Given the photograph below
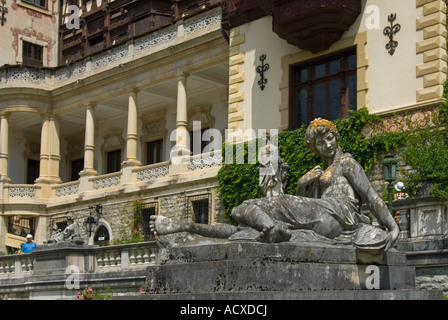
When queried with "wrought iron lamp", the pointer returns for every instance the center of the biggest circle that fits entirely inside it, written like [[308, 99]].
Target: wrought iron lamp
[[90, 221], [390, 170]]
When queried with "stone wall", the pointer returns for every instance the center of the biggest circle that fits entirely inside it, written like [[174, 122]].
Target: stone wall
[[429, 278]]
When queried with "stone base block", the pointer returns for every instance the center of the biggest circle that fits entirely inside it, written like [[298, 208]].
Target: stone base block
[[253, 270]]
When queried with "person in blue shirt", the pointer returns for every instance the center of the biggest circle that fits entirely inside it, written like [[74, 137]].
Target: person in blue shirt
[[29, 245]]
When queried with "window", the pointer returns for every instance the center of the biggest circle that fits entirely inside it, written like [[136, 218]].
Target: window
[[204, 140], [32, 172], [77, 166], [32, 54], [21, 226], [324, 88], [200, 210], [39, 3], [113, 161], [154, 152]]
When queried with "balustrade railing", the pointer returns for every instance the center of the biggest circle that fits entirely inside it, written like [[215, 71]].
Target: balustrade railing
[[128, 256], [140, 174], [114, 56], [153, 171], [16, 266], [66, 189], [125, 257], [106, 181]]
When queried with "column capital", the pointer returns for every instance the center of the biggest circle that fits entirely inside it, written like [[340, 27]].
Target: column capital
[[133, 90], [5, 114], [182, 75]]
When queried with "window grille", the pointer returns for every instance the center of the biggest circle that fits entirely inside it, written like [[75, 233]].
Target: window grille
[[149, 209], [198, 208]]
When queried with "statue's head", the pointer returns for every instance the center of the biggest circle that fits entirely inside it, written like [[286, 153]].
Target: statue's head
[[316, 128], [70, 217]]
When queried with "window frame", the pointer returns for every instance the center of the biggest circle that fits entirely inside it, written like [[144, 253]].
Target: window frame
[[33, 3], [201, 210], [193, 203], [110, 161], [34, 50], [74, 166], [35, 41], [312, 81]]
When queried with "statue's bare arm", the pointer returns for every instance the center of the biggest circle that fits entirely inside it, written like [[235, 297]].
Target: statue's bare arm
[[357, 178], [308, 178]]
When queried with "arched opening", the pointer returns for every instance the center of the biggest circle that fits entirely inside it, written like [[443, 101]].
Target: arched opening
[[102, 236]]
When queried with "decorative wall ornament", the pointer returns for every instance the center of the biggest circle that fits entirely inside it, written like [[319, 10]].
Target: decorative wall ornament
[[391, 32], [261, 69], [4, 11], [67, 189], [153, 173], [204, 162]]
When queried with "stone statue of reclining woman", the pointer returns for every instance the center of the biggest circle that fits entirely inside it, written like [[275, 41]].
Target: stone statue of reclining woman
[[332, 213]]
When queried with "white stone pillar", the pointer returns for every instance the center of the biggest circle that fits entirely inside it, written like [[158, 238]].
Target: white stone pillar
[[131, 140], [44, 149], [182, 141], [4, 137], [54, 148], [49, 155], [181, 149], [89, 144]]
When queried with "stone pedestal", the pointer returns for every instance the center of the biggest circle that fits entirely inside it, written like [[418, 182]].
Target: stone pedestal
[[55, 258], [253, 270]]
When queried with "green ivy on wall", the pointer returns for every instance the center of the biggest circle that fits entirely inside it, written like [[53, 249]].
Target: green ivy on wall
[[426, 152]]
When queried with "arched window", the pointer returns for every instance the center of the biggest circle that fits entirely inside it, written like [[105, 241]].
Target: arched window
[[102, 236]]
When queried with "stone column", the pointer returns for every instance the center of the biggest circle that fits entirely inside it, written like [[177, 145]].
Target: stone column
[[181, 115], [128, 175], [181, 149], [89, 148], [131, 141], [49, 155], [54, 137], [44, 149], [4, 137], [49, 150], [89, 144]]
